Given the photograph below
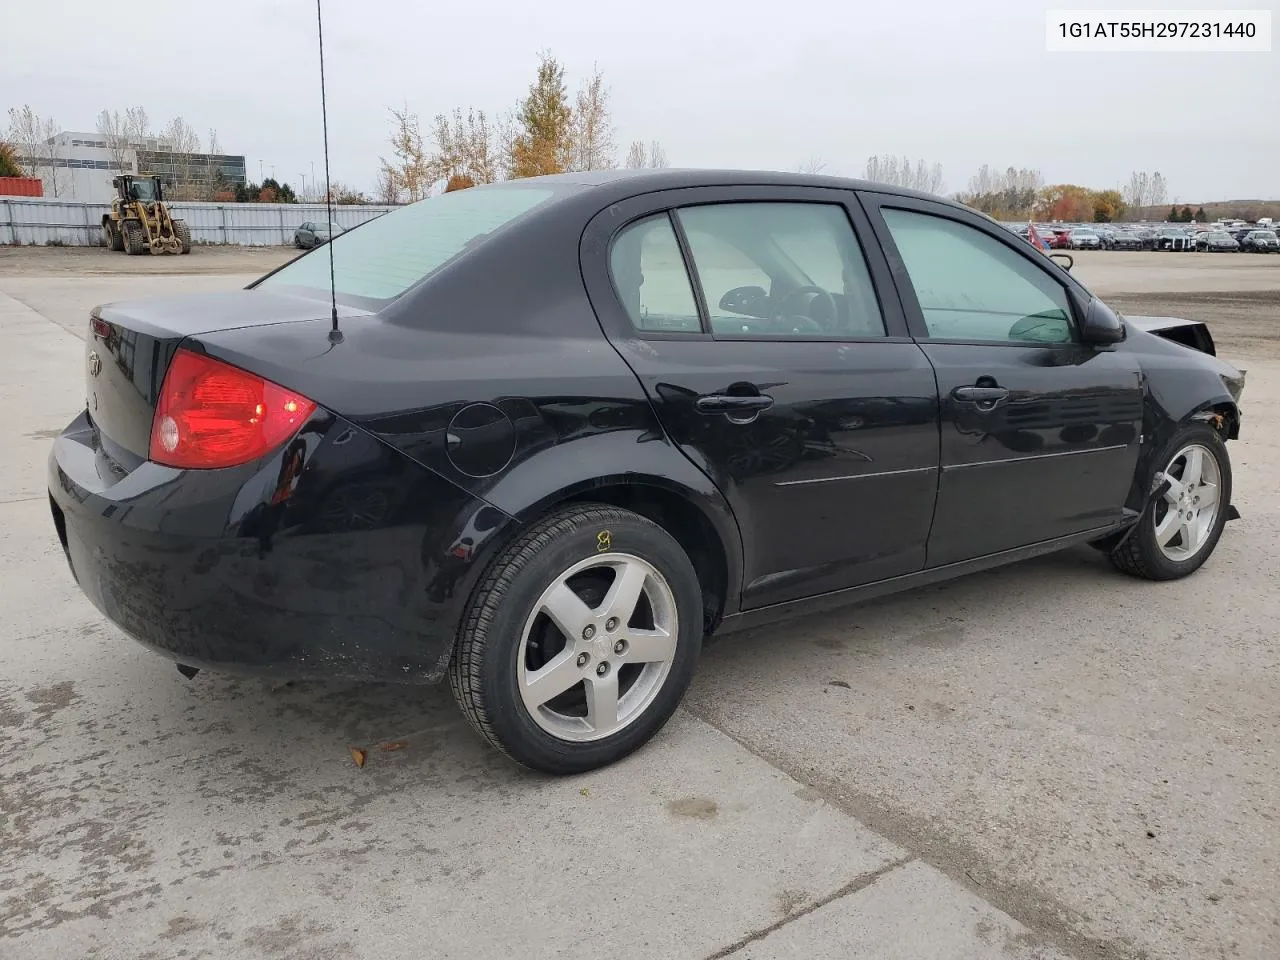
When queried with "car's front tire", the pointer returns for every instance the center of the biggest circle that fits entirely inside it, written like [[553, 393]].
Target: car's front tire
[[1180, 528], [580, 640]]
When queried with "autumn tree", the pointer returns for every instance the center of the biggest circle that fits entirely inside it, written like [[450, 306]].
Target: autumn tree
[[409, 174], [543, 141], [812, 165], [1201, 216], [9, 166], [1108, 205], [465, 146], [459, 181], [1067, 201]]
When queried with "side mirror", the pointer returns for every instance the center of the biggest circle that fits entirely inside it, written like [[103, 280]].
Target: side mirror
[[1102, 325], [1068, 261], [748, 301]]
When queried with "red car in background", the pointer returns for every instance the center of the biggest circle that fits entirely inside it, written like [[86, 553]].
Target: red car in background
[[1060, 239]]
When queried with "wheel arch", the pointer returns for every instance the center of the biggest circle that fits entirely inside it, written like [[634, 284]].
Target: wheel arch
[[1219, 412]]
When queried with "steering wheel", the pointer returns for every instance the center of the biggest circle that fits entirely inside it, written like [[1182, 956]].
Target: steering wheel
[[801, 323]]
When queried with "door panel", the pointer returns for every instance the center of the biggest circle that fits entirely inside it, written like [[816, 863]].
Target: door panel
[[1054, 457], [834, 484], [1040, 432], [796, 391]]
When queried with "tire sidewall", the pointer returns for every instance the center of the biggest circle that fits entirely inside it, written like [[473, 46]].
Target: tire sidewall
[[1209, 438], [524, 740]]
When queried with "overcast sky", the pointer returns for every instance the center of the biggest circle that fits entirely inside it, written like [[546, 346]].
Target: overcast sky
[[719, 83]]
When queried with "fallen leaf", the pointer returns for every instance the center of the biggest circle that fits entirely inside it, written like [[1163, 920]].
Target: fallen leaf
[[839, 683], [394, 745], [358, 756], [584, 792]]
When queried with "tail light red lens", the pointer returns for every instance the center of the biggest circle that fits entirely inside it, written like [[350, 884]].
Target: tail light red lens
[[211, 414]]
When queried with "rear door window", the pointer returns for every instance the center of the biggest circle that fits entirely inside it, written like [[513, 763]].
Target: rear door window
[[775, 269], [650, 278]]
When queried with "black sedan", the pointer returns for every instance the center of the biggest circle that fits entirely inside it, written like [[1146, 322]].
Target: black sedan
[[1129, 240], [1216, 241], [549, 434], [1260, 241]]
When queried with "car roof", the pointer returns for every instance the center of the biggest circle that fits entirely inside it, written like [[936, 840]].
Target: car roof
[[637, 181]]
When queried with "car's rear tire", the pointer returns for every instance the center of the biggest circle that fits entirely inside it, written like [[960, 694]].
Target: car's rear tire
[[586, 684], [1180, 528]]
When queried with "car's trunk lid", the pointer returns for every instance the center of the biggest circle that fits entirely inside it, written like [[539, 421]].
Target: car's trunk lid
[[130, 344]]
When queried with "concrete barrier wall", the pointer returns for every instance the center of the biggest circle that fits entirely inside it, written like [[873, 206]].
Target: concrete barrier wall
[[28, 220]]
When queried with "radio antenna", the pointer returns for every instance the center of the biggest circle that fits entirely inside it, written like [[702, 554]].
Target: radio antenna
[[335, 335]]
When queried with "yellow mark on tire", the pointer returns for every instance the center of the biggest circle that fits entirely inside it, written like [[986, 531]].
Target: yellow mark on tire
[[604, 541]]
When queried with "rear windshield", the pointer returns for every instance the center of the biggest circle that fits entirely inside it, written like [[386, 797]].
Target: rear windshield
[[383, 258]]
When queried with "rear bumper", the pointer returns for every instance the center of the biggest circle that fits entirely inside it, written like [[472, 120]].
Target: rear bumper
[[357, 566]]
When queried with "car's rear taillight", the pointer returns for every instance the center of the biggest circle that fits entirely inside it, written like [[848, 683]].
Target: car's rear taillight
[[211, 414]]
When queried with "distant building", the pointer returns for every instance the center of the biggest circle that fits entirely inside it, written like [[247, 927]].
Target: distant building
[[85, 165]]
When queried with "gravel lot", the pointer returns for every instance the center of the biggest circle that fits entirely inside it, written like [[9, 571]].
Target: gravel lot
[[1045, 761]]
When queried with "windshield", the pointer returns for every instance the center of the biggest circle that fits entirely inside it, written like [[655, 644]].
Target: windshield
[[387, 255], [1085, 233], [1264, 235], [142, 190]]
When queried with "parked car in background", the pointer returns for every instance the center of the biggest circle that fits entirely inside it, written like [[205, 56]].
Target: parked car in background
[[1260, 241], [1085, 238], [569, 426], [1128, 240], [1108, 236], [1059, 239], [1175, 238], [1217, 241], [312, 234]]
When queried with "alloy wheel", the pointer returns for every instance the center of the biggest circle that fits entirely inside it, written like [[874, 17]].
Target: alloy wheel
[[1185, 516], [597, 647]]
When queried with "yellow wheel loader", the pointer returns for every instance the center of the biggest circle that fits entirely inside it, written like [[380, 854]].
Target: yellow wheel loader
[[139, 221]]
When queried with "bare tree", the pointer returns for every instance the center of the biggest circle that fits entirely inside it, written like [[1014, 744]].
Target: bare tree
[[212, 173], [1137, 191], [591, 128], [637, 155], [1159, 189], [640, 156], [36, 140], [389, 190], [111, 129], [410, 172], [813, 165], [183, 143], [901, 172]]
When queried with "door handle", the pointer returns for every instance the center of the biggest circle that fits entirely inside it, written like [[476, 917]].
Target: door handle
[[738, 409], [983, 396]]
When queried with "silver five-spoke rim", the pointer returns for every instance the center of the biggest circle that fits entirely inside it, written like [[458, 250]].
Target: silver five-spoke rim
[[597, 647], [1185, 516]]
